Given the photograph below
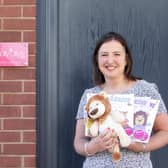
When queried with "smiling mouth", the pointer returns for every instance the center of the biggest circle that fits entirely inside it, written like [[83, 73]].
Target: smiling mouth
[[110, 67]]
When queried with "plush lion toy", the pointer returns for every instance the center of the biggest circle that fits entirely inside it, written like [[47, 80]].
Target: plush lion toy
[[101, 116]]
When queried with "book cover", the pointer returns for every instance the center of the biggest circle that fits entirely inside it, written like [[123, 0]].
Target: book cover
[[122, 109], [123, 104], [145, 110]]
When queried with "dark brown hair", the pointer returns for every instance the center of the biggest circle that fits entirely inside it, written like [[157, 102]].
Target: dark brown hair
[[98, 77]]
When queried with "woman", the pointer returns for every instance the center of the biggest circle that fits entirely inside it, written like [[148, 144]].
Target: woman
[[112, 64]]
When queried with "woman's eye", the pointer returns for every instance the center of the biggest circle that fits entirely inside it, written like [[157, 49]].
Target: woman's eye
[[117, 54], [104, 55]]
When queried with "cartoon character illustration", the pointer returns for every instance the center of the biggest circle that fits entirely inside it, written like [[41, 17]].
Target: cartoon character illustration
[[140, 121]]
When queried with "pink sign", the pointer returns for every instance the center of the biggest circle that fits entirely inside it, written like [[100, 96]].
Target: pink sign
[[14, 54]]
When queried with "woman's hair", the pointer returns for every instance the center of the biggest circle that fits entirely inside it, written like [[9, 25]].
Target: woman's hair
[[98, 77]]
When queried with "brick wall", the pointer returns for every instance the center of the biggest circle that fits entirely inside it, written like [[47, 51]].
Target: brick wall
[[17, 87]]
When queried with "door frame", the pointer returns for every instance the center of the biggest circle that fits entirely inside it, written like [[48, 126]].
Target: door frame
[[47, 75]]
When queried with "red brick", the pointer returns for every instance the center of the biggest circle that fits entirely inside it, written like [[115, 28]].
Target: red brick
[[19, 2], [10, 86], [19, 24], [10, 11], [10, 112], [32, 49], [19, 149], [29, 137], [30, 86], [32, 61], [7, 161], [29, 11], [29, 161], [29, 111], [18, 118], [9, 137], [13, 74], [1, 73], [19, 99], [29, 36], [10, 36], [19, 124]]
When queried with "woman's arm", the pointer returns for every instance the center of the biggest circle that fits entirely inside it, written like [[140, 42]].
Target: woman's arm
[[80, 138], [84, 146], [158, 139]]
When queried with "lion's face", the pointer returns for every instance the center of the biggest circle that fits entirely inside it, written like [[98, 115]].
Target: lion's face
[[96, 109], [139, 120]]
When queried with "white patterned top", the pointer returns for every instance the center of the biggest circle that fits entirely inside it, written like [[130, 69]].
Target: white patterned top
[[129, 159]]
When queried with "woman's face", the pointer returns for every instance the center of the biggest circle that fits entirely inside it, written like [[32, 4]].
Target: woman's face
[[112, 59]]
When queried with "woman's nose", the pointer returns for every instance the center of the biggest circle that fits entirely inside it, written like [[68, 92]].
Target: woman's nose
[[110, 58]]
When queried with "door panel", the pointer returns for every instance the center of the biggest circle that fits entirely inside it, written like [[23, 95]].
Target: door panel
[[79, 25]]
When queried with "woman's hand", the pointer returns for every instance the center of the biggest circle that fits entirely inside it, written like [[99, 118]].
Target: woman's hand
[[104, 141], [136, 147]]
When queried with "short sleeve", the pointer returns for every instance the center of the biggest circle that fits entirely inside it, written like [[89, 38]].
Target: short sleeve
[[156, 95], [80, 112]]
